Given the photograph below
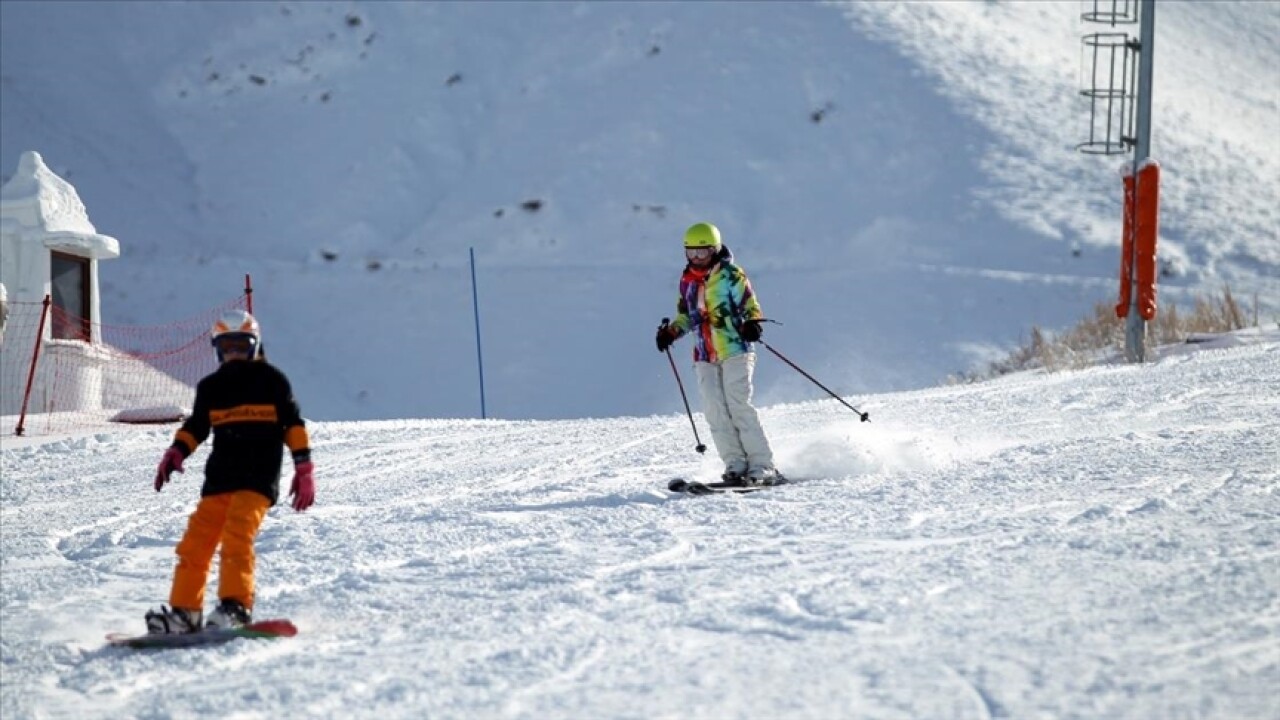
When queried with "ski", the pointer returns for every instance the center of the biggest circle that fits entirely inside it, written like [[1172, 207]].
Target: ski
[[214, 636], [693, 487]]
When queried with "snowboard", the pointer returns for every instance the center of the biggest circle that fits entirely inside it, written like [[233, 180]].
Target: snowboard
[[214, 636], [693, 487]]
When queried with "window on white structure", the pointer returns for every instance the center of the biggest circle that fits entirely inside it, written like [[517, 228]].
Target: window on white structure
[[70, 296]]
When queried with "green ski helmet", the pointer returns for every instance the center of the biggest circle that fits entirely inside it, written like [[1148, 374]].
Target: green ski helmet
[[702, 235]]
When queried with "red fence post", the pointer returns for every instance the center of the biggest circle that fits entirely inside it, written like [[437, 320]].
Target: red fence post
[[31, 372]]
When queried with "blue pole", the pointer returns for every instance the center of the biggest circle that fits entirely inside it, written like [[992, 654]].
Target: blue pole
[[475, 307]]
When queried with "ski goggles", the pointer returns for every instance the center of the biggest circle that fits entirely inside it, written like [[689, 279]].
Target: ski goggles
[[235, 344], [699, 253]]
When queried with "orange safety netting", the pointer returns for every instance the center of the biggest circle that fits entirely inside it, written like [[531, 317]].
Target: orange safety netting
[[60, 372]]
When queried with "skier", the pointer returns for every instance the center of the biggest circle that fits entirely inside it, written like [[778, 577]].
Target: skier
[[719, 307], [4, 311], [249, 406]]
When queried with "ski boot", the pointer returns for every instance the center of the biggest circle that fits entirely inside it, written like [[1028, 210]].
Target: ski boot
[[760, 477]]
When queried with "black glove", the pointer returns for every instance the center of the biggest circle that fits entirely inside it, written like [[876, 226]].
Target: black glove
[[751, 331], [666, 336]]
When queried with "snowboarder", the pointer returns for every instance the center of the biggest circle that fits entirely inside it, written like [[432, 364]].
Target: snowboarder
[[719, 307], [249, 406]]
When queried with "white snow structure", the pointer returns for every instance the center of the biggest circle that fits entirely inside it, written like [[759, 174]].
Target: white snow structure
[[49, 247]]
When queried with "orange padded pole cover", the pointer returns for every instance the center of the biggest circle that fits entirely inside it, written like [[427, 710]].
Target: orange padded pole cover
[[1145, 235], [1126, 249]]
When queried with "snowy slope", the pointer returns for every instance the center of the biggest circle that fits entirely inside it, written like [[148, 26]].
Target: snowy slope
[[899, 179], [1088, 544]]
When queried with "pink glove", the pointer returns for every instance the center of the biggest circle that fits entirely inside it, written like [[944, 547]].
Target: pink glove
[[304, 486], [170, 463]]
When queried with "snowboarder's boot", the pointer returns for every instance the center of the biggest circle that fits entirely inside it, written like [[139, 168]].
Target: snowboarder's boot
[[174, 621], [229, 614]]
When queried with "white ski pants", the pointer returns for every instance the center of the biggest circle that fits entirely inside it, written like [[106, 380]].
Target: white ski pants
[[726, 402]]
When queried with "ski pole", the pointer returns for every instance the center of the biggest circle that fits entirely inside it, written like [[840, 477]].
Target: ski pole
[[866, 417], [700, 448]]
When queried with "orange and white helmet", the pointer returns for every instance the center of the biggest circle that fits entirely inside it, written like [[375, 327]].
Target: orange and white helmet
[[236, 329]]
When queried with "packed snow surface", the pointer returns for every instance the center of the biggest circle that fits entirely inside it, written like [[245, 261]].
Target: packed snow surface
[[1097, 543], [900, 180]]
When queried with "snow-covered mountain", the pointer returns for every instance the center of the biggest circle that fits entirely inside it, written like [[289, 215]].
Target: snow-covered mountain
[[1090, 544], [899, 180]]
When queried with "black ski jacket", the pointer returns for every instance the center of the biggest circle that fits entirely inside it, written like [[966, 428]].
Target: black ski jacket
[[249, 406]]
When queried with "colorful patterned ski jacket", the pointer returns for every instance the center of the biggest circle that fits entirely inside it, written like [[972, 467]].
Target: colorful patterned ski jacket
[[713, 304], [249, 407]]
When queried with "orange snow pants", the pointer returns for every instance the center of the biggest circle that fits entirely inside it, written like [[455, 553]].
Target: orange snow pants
[[230, 520]]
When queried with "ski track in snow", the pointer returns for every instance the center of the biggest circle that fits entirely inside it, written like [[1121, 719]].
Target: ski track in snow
[[1100, 543]]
